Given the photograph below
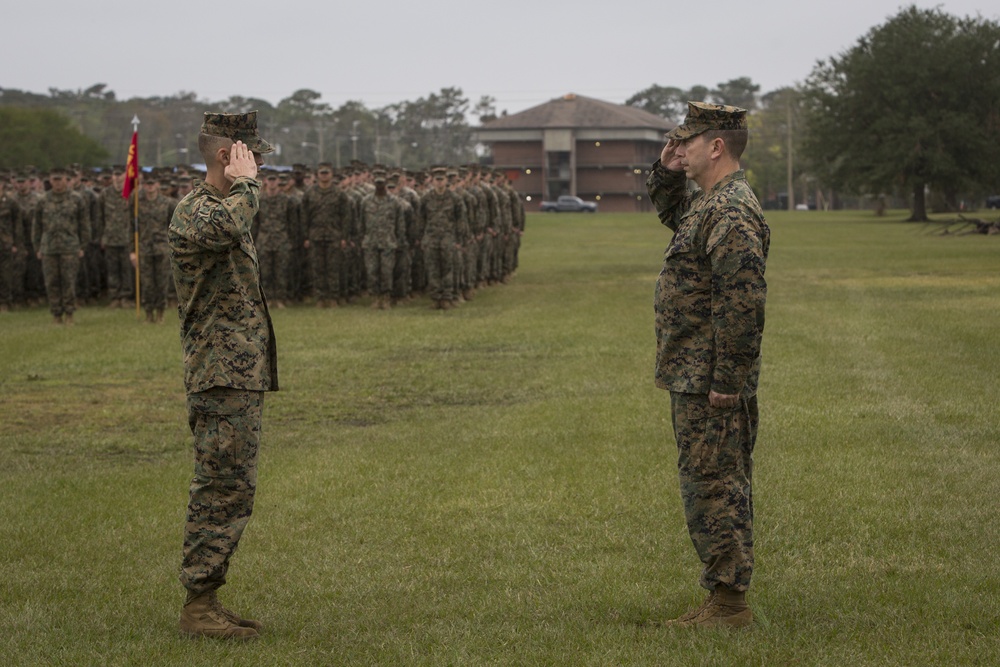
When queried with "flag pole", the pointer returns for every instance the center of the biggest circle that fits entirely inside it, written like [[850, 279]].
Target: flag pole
[[131, 186]]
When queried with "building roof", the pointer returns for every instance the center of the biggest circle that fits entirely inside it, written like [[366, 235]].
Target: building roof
[[578, 111]]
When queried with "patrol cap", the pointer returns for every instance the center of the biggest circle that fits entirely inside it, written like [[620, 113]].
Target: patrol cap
[[703, 117], [379, 175], [238, 127], [439, 172]]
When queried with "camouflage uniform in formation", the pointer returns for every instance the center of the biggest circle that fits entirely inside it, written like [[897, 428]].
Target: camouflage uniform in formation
[[115, 215], [273, 226], [383, 226], [327, 214], [60, 229], [230, 359], [155, 213], [11, 243], [27, 282], [442, 218], [709, 321], [88, 280]]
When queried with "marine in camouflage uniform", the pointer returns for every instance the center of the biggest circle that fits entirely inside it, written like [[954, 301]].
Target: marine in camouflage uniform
[[383, 225], [155, 213], [271, 235], [327, 214], [418, 263], [88, 278], [26, 267], [709, 321], [402, 283], [470, 245], [11, 243], [115, 215], [230, 360], [441, 217], [61, 226]]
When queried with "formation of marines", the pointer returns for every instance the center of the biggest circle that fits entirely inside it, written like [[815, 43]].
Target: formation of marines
[[325, 236]]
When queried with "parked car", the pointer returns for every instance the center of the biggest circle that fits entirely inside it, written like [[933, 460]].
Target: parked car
[[993, 201], [568, 203]]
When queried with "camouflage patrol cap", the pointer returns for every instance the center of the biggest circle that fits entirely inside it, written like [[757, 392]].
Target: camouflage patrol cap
[[238, 127], [703, 117], [379, 175]]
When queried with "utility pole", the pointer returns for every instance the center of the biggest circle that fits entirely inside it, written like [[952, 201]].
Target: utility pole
[[791, 180]]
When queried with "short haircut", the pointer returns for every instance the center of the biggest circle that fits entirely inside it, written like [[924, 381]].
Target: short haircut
[[209, 144], [734, 140]]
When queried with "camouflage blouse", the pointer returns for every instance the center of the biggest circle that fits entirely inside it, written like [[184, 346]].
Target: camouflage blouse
[[226, 329], [61, 224], [710, 294]]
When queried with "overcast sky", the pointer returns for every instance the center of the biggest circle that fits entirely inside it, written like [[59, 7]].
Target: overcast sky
[[521, 52]]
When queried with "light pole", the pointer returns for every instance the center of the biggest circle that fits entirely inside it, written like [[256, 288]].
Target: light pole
[[354, 140]]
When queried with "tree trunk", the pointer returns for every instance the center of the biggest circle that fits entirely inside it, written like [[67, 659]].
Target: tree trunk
[[919, 204]]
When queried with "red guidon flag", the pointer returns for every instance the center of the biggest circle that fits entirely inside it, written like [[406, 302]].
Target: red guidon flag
[[132, 166]]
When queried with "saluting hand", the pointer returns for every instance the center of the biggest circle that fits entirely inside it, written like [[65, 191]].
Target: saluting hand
[[668, 157], [241, 162]]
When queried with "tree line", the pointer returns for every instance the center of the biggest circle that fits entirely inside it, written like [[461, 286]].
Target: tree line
[[911, 110]]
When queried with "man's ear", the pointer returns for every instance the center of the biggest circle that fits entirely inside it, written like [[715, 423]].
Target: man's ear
[[718, 148]]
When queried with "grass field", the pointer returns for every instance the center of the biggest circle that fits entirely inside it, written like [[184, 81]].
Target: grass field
[[496, 485]]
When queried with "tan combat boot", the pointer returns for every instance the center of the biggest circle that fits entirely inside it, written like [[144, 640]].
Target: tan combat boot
[[204, 616], [722, 608], [68, 319], [158, 315]]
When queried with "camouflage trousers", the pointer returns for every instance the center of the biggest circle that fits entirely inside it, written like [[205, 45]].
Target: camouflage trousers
[[380, 264], [6, 276], [715, 464], [401, 274], [121, 279], [440, 258], [418, 269], [483, 258], [154, 276], [226, 427], [274, 271], [60, 282], [326, 258]]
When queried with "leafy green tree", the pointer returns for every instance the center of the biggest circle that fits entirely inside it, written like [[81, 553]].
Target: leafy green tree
[[772, 156], [670, 102], [666, 102], [432, 129], [914, 104], [44, 138], [741, 92]]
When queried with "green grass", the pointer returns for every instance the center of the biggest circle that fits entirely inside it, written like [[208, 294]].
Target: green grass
[[496, 484]]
